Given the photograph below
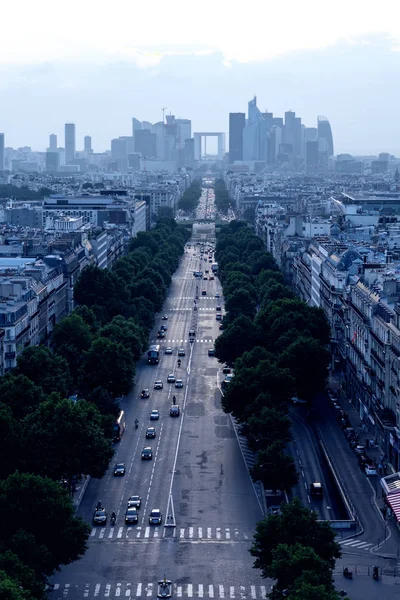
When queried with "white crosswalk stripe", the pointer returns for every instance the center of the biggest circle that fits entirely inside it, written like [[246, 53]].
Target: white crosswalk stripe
[[356, 543], [148, 590], [181, 533]]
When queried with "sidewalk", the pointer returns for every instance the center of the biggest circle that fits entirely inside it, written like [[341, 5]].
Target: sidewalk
[[79, 491], [365, 438]]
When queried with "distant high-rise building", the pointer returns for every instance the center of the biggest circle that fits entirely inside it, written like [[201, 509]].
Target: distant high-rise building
[[69, 142], [130, 144], [311, 156], [237, 122], [183, 132], [87, 143], [52, 161], [1, 151], [146, 143], [136, 126], [119, 154], [53, 142], [255, 134], [325, 133]]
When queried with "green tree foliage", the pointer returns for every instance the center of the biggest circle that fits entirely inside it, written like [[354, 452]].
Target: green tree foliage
[[101, 288], [65, 438], [12, 567], [23, 192], [308, 362], [11, 589], [239, 337], [240, 302], [20, 394], [275, 469], [268, 427], [88, 316], [10, 442], [72, 336], [222, 201], [38, 524], [126, 332], [190, 198], [45, 369], [289, 563], [108, 365], [295, 525]]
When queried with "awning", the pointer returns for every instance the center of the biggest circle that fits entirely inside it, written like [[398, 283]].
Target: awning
[[394, 502]]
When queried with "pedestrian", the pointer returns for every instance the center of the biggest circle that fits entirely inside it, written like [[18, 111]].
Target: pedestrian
[[384, 468], [380, 469]]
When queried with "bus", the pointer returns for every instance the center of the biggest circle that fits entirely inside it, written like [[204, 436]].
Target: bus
[[119, 427], [214, 267], [153, 355]]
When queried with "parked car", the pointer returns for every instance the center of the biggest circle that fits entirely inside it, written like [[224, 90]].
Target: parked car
[[370, 469], [359, 449]]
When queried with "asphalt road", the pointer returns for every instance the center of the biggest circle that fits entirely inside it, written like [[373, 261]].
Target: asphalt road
[[197, 476]]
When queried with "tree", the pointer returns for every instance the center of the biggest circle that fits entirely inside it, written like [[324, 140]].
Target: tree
[[240, 302], [65, 438], [101, 288], [108, 365], [48, 534], [88, 316], [45, 369], [13, 567], [308, 362], [269, 426], [295, 524], [289, 563], [237, 338], [20, 394], [126, 332], [71, 337], [275, 469], [10, 589], [309, 591], [9, 441]]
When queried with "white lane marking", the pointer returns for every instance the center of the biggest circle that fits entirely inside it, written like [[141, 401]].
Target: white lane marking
[[200, 532], [190, 590], [120, 532], [200, 592], [179, 591], [86, 590], [253, 591], [227, 534], [147, 532], [139, 589], [218, 533], [149, 589], [93, 532], [221, 591], [190, 532], [236, 533], [232, 591], [107, 590], [118, 590], [242, 592], [211, 591], [96, 589], [209, 533], [156, 533], [263, 591], [139, 530], [111, 532], [102, 532], [181, 533]]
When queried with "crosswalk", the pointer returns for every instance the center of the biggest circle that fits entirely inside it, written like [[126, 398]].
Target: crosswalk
[[149, 590], [191, 298], [356, 543], [186, 308], [182, 533], [163, 340]]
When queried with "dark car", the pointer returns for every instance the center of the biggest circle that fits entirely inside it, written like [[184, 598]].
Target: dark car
[[134, 501], [218, 308], [181, 352], [147, 453], [316, 489], [174, 411], [154, 415], [155, 517], [164, 318], [211, 352], [204, 293], [163, 328], [150, 433], [119, 469], [145, 394], [171, 378], [179, 383], [218, 317], [161, 334], [131, 515]]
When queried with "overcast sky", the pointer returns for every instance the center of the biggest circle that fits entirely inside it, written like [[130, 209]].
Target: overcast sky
[[99, 63]]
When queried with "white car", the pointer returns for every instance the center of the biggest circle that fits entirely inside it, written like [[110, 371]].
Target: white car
[[171, 378], [168, 350], [370, 470], [158, 385]]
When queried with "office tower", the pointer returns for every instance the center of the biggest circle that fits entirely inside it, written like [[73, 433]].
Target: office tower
[[311, 134], [119, 154], [69, 142], [52, 161], [136, 126], [237, 122], [146, 143], [53, 142], [325, 137], [1, 151], [254, 134], [311, 155], [183, 132], [288, 132], [130, 144], [87, 143]]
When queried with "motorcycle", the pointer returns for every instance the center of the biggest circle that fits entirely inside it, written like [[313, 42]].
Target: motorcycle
[[348, 574], [174, 400], [375, 573], [136, 424], [179, 363], [113, 519]]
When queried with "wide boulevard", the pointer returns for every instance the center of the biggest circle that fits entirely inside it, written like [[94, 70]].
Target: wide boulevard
[[197, 477]]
